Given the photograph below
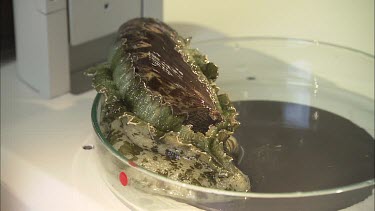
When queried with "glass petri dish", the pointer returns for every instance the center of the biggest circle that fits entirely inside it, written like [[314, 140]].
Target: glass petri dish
[[307, 113]]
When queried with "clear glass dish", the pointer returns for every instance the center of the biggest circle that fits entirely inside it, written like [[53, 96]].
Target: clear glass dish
[[309, 78]]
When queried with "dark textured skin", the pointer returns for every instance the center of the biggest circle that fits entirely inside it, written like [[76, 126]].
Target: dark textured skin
[[153, 47]]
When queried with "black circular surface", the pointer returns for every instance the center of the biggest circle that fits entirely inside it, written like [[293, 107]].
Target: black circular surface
[[291, 147]]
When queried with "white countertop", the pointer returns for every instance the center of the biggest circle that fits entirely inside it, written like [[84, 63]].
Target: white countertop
[[43, 165]]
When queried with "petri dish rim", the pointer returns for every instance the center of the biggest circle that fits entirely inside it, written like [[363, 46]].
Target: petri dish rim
[[337, 190], [286, 40]]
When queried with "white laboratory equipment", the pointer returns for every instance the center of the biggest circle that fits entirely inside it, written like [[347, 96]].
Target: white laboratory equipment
[[56, 40]]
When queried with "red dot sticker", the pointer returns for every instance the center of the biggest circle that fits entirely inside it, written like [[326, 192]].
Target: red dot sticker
[[123, 178], [132, 163]]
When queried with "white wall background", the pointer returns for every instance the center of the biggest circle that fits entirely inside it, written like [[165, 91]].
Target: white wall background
[[344, 22]]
